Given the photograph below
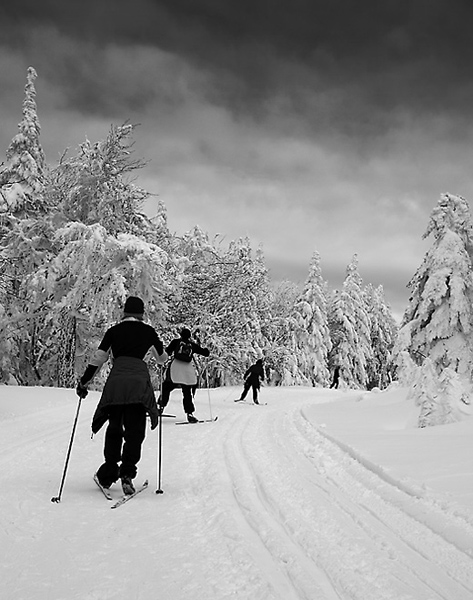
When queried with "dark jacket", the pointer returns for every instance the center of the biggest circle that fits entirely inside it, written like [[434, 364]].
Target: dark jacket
[[126, 344], [180, 372], [128, 383], [255, 374]]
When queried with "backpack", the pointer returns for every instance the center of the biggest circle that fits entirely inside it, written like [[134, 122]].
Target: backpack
[[184, 351]]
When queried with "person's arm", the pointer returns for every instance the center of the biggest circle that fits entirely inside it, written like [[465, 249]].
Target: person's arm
[[99, 358], [158, 352], [197, 349]]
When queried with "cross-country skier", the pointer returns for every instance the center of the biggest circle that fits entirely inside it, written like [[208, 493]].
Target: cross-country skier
[[253, 378], [181, 372], [127, 396], [336, 377]]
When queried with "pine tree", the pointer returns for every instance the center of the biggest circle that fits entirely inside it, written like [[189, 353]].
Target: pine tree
[[350, 330], [439, 316], [25, 232], [24, 178], [383, 332], [313, 336]]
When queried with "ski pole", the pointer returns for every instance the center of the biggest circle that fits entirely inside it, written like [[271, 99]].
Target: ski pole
[[208, 389], [58, 497], [160, 434]]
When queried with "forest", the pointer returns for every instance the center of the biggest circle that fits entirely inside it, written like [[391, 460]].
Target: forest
[[75, 242]]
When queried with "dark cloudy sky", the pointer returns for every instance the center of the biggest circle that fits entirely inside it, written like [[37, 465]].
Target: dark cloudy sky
[[308, 125]]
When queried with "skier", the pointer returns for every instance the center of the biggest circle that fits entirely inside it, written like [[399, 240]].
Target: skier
[[253, 378], [181, 372], [127, 395], [336, 377]]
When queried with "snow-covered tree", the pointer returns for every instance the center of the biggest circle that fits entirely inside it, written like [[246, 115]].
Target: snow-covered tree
[[23, 180], [279, 328], [84, 288], [96, 186], [383, 331], [439, 315], [350, 330], [312, 332], [437, 324]]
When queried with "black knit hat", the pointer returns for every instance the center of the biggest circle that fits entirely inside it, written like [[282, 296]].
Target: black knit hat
[[185, 333], [134, 306]]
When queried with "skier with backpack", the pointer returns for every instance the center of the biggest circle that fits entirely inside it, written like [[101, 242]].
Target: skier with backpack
[[253, 378], [181, 372], [127, 396]]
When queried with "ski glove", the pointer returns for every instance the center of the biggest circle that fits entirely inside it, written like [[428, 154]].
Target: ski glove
[[81, 390]]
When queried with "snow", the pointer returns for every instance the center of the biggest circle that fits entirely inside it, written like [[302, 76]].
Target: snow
[[318, 495]]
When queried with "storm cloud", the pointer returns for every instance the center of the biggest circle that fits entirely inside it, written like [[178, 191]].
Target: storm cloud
[[331, 126]]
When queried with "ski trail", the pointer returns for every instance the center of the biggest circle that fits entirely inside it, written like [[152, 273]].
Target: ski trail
[[335, 528]]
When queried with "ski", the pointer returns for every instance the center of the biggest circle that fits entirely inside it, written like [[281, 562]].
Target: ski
[[124, 499], [252, 403], [105, 491], [199, 421]]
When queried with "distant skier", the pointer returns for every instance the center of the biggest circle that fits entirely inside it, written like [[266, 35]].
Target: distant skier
[[336, 378], [253, 378], [127, 395], [181, 372]]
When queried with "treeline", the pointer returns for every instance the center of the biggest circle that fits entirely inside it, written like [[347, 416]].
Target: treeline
[[74, 243]]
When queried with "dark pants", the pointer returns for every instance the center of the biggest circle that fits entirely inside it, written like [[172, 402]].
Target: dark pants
[[123, 440], [188, 392], [246, 388]]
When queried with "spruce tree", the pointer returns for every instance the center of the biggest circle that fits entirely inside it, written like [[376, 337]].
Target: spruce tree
[[383, 332], [437, 324], [24, 177], [313, 336], [350, 330]]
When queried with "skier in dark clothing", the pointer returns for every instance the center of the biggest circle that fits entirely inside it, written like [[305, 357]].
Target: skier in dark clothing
[[253, 378], [181, 372], [336, 378], [127, 396]]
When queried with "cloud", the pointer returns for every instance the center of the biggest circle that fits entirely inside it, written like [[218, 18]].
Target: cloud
[[328, 126]]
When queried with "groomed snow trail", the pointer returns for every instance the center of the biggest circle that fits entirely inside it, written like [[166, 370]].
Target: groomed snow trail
[[260, 505], [314, 523]]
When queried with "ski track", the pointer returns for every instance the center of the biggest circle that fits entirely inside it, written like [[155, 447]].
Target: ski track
[[317, 523], [275, 509]]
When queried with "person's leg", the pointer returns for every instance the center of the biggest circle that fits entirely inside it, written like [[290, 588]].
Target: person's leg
[[112, 451], [245, 391], [134, 421], [167, 388], [255, 393], [187, 399]]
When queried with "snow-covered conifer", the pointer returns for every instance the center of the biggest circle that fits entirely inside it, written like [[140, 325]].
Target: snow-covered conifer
[[23, 179], [383, 331], [350, 330], [439, 315], [437, 324], [312, 332]]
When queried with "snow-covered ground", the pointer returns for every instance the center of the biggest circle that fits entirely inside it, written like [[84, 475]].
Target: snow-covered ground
[[318, 495]]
